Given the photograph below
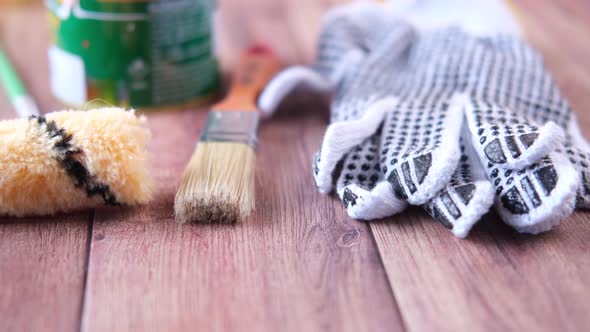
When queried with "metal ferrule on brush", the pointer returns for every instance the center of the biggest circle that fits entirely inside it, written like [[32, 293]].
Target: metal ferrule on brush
[[228, 126]]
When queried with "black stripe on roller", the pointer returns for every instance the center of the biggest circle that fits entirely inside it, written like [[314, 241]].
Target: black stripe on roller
[[512, 146], [408, 177], [68, 157], [528, 188], [398, 188]]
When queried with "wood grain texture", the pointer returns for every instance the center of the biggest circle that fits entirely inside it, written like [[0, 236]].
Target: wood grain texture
[[297, 265], [496, 279], [42, 272], [41, 260]]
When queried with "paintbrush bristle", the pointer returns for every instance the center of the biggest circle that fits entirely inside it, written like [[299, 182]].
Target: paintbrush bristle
[[218, 184]]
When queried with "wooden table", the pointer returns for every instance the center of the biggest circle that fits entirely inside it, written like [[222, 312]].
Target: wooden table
[[300, 264]]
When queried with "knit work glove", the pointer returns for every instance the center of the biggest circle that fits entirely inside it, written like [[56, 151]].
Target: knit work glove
[[515, 113], [388, 143], [400, 96]]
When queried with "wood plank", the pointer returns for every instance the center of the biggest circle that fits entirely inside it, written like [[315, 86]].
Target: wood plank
[[41, 259], [558, 40], [300, 263], [497, 279], [494, 280], [42, 272]]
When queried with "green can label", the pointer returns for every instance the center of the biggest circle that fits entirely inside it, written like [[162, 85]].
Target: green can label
[[137, 53]]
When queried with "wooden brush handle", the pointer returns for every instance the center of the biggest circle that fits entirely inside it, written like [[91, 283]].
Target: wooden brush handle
[[257, 66]]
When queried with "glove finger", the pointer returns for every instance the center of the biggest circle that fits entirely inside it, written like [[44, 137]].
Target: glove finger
[[535, 199], [507, 139], [467, 198], [341, 137], [361, 185], [420, 148]]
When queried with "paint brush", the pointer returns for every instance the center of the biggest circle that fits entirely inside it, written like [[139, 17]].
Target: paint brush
[[23, 103], [218, 182]]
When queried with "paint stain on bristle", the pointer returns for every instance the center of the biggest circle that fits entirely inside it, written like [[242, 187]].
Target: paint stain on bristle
[[218, 184]]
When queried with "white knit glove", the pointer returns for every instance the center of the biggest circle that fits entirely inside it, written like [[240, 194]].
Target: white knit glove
[[520, 125], [400, 98], [388, 143]]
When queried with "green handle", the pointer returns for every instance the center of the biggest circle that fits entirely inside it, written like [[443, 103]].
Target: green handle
[[9, 78]]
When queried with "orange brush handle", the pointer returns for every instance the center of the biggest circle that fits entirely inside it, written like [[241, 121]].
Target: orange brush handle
[[257, 66]]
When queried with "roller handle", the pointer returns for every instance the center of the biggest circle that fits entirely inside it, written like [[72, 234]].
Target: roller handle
[[257, 66]]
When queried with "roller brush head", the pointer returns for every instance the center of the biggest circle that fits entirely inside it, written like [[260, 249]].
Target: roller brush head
[[72, 160]]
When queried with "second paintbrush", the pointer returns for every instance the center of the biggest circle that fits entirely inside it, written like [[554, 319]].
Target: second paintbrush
[[218, 182]]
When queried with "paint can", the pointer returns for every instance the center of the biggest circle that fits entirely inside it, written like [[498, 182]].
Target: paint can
[[132, 53]]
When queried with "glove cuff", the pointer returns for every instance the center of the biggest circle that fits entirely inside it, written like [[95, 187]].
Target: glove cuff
[[286, 82]]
